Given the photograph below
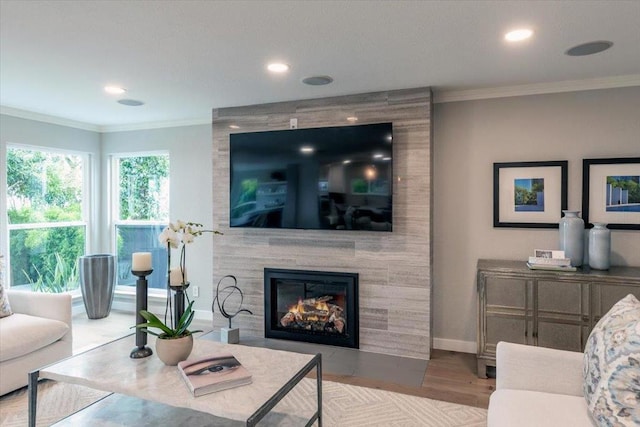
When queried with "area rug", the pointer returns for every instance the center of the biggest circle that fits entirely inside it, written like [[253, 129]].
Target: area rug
[[343, 406]]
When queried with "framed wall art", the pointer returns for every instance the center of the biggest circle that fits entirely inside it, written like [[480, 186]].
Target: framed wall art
[[611, 192], [529, 194]]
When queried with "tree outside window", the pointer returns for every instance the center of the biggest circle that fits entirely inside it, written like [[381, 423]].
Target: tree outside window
[[46, 219], [141, 212]]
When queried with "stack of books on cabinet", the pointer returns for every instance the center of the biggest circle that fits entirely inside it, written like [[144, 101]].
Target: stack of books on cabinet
[[545, 259]]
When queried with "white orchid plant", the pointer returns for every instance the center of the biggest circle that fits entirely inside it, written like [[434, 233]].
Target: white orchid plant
[[179, 235]]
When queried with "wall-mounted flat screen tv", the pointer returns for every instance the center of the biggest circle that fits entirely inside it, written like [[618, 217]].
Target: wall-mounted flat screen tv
[[334, 178]]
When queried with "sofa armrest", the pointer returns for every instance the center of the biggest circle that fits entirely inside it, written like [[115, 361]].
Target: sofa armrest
[[523, 367], [50, 306]]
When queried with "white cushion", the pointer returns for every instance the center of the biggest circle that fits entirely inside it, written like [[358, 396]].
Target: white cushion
[[522, 408], [612, 366], [21, 334]]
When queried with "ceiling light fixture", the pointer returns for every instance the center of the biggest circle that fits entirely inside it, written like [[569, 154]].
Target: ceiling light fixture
[[278, 67], [377, 156], [346, 162], [589, 48], [234, 126], [518, 35], [114, 90], [352, 119], [306, 149], [386, 159]]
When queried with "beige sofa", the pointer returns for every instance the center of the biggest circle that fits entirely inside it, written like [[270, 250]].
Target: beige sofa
[[538, 386], [38, 333]]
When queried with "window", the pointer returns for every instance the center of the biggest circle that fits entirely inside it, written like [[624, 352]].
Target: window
[[46, 216], [141, 211]]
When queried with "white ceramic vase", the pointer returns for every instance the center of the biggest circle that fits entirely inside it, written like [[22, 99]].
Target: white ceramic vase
[[600, 246], [571, 229], [174, 350]]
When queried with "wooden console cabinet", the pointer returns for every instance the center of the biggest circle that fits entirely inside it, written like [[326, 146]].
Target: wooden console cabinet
[[554, 309]]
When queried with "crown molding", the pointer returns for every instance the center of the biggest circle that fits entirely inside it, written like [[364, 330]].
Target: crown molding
[[46, 118], [155, 125], [536, 89], [440, 96]]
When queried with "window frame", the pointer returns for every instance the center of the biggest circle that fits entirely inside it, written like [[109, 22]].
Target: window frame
[[114, 211], [87, 211]]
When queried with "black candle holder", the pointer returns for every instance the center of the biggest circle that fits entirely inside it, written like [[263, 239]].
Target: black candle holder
[[178, 300], [141, 350]]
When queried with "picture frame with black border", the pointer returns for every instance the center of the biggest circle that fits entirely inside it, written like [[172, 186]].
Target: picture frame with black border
[[611, 192], [529, 194]]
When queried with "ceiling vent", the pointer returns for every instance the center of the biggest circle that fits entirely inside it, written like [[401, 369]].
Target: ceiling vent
[[589, 48]]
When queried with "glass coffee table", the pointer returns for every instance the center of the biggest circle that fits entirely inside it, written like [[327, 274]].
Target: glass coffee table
[[109, 368]]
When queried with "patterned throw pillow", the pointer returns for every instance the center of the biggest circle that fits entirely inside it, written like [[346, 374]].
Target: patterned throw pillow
[[612, 366], [5, 308]]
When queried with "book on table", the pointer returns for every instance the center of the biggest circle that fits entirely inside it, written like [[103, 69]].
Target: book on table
[[213, 373], [563, 262], [551, 267]]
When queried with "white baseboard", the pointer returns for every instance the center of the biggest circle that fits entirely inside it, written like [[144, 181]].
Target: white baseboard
[[455, 345]]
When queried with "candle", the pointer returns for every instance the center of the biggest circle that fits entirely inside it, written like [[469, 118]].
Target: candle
[[175, 277], [141, 261]]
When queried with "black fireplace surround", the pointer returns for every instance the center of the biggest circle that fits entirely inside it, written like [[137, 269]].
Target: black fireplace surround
[[312, 306]]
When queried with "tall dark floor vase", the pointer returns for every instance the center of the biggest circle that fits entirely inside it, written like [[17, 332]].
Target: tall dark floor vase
[[97, 283]]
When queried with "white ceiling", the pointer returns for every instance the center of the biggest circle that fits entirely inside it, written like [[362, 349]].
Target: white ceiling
[[183, 58]]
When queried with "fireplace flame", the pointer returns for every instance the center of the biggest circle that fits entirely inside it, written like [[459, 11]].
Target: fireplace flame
[[299, 307]]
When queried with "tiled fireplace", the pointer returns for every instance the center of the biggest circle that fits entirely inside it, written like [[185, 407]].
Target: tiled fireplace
[[312, 306], [394, 296]]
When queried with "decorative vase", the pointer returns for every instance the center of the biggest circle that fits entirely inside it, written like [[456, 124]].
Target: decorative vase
[[97, 282], [174, 350], [600, 246], [571, 229]]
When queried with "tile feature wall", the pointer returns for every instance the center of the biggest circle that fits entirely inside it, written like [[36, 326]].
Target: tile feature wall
[[394, 268]]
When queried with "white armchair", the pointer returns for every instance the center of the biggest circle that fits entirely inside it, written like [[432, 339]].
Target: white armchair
[[37, 334], [537, 386]]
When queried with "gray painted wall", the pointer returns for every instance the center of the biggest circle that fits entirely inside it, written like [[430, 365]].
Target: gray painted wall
[[394, 268], [468, 138]]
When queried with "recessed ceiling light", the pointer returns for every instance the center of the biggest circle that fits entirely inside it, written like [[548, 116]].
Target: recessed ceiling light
[[114, 90], [346, 162], [317, 80], [278, 67], [589, 48], [306, 149], [352, 119], [386, 159], [377, 156], [518, 35], [130, 102], [234, 126]]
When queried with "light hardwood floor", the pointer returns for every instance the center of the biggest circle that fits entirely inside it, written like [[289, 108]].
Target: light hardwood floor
[[450, 376]]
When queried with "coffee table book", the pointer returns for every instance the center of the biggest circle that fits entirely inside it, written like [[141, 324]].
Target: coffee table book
[[213, 373]]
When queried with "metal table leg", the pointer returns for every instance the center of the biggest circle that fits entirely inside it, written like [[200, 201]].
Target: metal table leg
[[33, 397]]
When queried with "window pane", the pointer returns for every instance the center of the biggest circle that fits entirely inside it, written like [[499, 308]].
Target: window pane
[[144, 188], [43, 186], [141, 238], [46, 259]]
